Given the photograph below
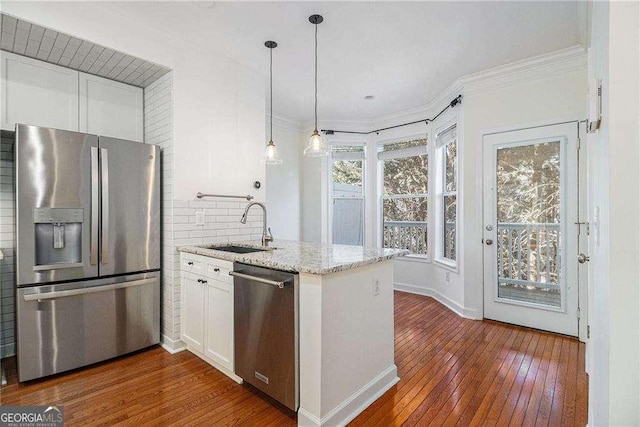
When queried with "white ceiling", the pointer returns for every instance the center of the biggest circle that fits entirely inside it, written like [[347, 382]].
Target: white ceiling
[[403, 53]]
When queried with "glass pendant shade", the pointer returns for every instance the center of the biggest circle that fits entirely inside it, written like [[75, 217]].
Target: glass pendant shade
[[271, 156], [316, 147]]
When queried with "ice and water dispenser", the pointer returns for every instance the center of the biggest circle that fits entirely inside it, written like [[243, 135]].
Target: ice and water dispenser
[[58, 238]]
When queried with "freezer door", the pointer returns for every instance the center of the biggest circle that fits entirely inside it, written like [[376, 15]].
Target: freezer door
[[69, 325], [56, 205], [130, 207]]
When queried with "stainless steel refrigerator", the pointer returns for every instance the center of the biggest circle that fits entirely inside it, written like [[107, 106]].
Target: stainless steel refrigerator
[[88, 249]]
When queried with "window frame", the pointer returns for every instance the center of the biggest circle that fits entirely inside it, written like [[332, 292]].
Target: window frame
[[441, 192], [330, 195], [404, 153]]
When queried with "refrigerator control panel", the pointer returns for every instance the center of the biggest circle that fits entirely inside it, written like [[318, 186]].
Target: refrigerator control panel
[[57, 215]]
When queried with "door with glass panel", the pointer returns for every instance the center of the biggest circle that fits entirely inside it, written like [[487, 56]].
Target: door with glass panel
[[530, 233], [347, 195]]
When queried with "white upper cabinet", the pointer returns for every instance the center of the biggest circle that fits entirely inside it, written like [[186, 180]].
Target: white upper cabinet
[[38, 93], [109, 108], [42, 94]]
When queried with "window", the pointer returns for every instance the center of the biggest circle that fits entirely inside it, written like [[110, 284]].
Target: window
[[447, 191], [405, 183], [347, 195]]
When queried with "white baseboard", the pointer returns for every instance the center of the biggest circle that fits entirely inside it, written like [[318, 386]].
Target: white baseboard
[[467, 313], [216, 365], [172, 346], [345, 412], [7, 350]]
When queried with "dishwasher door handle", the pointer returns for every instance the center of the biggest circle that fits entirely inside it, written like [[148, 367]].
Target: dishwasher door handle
[[258, 279]]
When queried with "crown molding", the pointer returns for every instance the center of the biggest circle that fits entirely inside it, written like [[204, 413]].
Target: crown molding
[[280, 121], [531, 69], [357, 125]]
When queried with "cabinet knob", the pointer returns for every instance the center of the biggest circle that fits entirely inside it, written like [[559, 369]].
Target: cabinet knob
[[190, 263], [204, 281], [216, 269], [199, 280]]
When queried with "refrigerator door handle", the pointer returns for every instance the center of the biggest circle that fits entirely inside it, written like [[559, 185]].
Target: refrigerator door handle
[[84, 291], [94, 205], [104, 165]]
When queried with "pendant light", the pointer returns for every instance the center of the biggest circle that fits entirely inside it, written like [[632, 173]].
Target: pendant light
[[271, 156], [316, 145]]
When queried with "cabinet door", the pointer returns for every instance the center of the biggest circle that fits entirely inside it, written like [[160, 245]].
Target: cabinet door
[[109, 108], [219, 323], [192, 312], [38, 93]]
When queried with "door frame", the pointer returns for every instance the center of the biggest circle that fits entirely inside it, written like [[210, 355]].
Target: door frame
[[583, 278]]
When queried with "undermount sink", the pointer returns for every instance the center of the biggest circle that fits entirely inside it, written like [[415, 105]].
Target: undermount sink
[[236, 249]]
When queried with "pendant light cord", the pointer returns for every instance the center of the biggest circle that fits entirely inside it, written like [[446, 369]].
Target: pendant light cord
[[271, 95], [316, 79]]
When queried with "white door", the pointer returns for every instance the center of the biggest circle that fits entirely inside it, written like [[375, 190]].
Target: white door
[[530, 232]]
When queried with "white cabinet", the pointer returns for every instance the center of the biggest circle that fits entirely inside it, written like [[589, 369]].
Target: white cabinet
[[193, 302], [42, 94], [110, 108], [207, 310], [38, 93], [219, 322]]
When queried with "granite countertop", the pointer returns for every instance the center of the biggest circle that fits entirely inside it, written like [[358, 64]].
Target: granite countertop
[[301, 257]]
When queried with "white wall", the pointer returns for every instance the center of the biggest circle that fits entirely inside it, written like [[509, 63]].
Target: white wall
[[283, 182], [614, 347]]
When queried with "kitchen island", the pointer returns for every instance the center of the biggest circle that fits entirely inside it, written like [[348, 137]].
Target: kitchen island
[[345, 321]]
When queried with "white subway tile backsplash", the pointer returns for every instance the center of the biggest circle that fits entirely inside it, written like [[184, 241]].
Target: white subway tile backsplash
[[7, 221]]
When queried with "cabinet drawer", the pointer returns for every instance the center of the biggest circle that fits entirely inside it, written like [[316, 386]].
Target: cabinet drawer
[[218, 270], [191, 264]]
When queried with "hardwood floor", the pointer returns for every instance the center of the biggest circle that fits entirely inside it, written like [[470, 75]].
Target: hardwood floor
[[452, 370]]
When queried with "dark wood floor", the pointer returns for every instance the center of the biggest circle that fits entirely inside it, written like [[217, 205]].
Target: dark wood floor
[[452, 370]]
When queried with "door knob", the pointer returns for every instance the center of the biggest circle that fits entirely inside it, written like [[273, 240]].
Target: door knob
[[489, 242], [582, 258]]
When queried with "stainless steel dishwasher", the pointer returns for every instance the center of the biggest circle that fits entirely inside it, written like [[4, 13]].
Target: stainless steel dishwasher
[[266, 331]]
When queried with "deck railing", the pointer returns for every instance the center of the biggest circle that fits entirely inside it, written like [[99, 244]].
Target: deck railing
[[529, 254], [411, 235]]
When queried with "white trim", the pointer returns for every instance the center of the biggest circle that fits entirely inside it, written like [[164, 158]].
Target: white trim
[[420, 258], [172, 346], [7, 350], [467, 313], [286, 123], [528, 70], [355, 404], [446, 263], [445, 125], [528, 125]]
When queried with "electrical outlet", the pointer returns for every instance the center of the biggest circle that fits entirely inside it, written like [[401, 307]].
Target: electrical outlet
[[200, 217], [375, 287], [447, 276]]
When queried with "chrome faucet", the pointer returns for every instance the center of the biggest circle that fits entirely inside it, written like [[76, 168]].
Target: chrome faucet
[[266, 232]]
